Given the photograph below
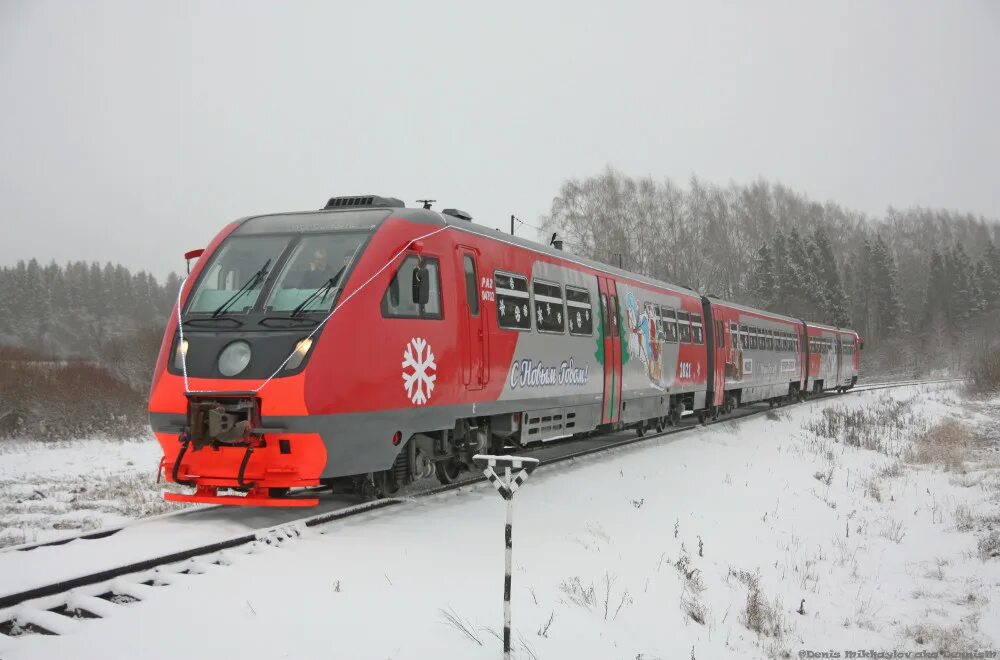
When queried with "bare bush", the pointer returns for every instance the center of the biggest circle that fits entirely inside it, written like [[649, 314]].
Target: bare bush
[[873, 491], [577, 593], [946, 444], [462, 625], [762, 615], [893, 530], [692, 606], [938, 637], [824, 477], [880, 427], [989, 545], [964, 520], [985, 373]]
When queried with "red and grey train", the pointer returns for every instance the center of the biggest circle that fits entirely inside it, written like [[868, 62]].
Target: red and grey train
[[367, 345]]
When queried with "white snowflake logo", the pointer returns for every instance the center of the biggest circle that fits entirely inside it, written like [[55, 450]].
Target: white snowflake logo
[[538, 313], [559, 317], [526, 311], [517, 314], [419, 383], [503, 308], [578, 323]]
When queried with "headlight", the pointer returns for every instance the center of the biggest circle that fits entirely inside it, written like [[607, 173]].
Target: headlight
[[234, 358], [180, 354], [301, 350]]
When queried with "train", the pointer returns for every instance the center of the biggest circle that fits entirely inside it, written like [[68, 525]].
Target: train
[[367, 345]]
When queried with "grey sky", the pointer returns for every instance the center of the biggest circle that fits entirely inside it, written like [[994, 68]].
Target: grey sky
[[132, 131]]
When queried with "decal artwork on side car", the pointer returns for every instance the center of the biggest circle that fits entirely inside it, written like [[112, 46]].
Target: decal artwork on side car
[[419, 370]]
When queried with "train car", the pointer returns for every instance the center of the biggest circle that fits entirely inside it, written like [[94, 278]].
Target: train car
[[367, 345], [849, 344], [760, 353], [828, 367]]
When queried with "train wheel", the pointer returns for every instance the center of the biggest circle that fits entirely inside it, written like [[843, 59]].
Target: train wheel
[[447, 471], [640, 430]]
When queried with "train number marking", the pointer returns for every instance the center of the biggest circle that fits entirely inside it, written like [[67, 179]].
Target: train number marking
[[486, 284], [685, 370]]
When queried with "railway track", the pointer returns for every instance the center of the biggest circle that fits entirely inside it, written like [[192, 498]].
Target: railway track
[[95, 593]]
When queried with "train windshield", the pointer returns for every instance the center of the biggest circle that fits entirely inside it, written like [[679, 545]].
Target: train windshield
[[237, 273], [314, 271]]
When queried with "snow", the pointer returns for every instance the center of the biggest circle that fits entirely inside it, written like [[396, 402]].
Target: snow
[[50, 489], [615, 555]]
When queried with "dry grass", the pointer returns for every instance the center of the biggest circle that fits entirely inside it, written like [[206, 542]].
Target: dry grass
[[985, 374], [945, 445], [882, 426]]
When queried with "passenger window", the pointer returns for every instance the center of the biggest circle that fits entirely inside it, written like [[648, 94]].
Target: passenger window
[[550, 314], [669, 323], [471, 285], [697, 331], [744, 337], [512, 301], [414, 291], [579, 312], [684, 327]]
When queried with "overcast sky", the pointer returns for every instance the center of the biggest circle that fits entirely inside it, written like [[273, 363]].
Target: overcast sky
[[132, 131]]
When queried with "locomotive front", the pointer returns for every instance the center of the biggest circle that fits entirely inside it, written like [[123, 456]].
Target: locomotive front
[[230, 381]]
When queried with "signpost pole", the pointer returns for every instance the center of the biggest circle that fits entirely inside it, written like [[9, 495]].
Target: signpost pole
[[506, 485]]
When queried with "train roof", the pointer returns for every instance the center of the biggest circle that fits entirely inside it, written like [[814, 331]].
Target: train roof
[[753, 310], [385, 207], [497, 235]]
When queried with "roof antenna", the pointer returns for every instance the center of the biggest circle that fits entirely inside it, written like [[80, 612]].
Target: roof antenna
[[426, 202], [556, 243]]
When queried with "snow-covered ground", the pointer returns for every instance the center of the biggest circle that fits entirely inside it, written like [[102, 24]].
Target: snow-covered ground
[[763, 537], [53, 489]]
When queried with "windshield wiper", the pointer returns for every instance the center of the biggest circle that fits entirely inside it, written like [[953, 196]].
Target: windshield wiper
[[324, 289], [251, 283], [286, 321], [212, 321]]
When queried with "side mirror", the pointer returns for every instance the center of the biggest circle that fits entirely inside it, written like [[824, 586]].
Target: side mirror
[[192, 254], [421, 282]]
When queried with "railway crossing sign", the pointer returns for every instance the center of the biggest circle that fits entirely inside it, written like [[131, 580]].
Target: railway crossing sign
[[515, 471]]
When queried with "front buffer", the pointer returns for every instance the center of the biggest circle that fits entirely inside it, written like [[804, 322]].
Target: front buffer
[[224, 445]]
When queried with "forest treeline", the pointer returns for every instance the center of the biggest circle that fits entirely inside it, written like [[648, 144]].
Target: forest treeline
[[77, 348], [922, 286]]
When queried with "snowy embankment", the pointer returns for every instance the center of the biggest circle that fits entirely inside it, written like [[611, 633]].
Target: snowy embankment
[[50, 489], [764, 537]]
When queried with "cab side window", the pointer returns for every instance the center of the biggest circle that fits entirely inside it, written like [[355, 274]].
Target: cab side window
[[414, 291]]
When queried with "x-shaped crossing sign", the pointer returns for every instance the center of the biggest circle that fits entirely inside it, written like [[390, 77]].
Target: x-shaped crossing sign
[[515, 471]]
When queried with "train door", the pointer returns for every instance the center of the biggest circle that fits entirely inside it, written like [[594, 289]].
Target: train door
[[472, 322], [610, 411], [840, 355]]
